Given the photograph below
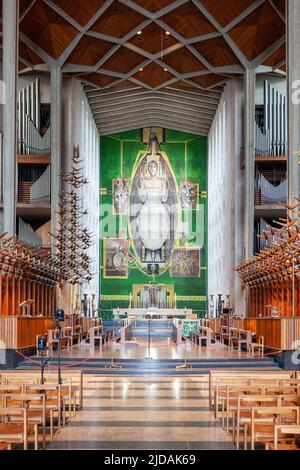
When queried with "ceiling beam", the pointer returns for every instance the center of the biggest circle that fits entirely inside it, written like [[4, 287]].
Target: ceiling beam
[[277, 11], [268, 52]]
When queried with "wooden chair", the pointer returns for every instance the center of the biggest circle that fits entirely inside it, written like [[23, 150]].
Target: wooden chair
[[11, 433], [242, 337], [205, 334], [230, 402], [52, 338], [259, 346], [55, 400], [34, 416], [262, 432], [242, 416], [283, 433]]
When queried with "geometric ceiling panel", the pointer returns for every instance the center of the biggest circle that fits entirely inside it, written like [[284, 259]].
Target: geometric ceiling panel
[[153, 39], [81, 11], [27, 53], [89, 51], [184, 61], [98, 79], [258, 31], [217, 52], [153, 5], [123, 60], [278, 56], [225, 11], [133, 39], [153, 75], [188, 21], [209, 80], [118, 20], [48, 29]]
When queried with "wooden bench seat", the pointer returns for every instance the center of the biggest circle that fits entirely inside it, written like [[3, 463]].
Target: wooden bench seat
[[259, 431], [11, 433], [37, 416]]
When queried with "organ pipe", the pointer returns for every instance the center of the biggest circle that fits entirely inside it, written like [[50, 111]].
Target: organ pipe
[[30, 140], [271, 138]]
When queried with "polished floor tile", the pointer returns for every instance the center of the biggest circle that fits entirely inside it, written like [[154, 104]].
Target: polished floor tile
[[121, 413]]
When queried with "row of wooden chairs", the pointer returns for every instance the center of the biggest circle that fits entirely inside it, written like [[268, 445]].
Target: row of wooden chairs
[[257, 407], [236, 337], [232, 336], [29, 410]]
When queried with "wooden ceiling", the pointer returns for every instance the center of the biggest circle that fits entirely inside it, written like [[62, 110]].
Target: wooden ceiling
[[153, 44]]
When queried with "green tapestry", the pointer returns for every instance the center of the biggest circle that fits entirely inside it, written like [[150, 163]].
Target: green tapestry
[[140, 190]]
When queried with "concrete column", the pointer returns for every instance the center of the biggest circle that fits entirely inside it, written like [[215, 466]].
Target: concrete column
[[293, 85], [10, 76], [249, 153], [56, 136]]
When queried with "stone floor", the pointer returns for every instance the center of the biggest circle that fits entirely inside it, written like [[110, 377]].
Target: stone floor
[[160, 348], [122, 413]]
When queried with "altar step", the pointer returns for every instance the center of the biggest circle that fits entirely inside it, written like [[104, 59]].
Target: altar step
[[153, 323], [157, 331], [159, 367]]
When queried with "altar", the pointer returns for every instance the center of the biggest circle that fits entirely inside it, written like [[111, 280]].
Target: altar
[[154, 313]]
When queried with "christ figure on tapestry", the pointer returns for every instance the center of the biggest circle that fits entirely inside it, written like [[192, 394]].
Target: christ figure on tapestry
[[153, 221]]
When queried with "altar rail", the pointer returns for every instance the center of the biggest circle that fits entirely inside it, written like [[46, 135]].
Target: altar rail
[[21, 332]]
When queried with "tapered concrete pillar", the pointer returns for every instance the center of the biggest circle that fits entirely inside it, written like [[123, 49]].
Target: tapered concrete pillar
[[293, 92], [10, 76], [56, 144], [249, 154]]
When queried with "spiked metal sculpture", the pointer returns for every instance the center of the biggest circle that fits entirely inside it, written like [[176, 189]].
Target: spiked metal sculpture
[[72, 240]]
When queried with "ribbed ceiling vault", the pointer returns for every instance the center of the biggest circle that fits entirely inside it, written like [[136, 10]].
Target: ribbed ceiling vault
[[163, 57], [118, 110]]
